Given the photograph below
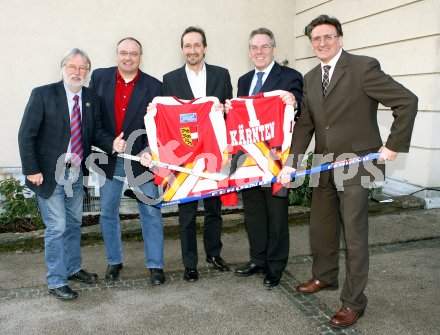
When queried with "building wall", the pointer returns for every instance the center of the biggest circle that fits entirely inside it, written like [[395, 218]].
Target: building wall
[[36, 34], [404, 36]]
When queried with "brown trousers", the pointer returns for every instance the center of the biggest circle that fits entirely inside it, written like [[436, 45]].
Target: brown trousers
[[334, 212]]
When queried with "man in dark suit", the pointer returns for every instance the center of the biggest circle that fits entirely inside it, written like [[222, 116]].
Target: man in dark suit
[[125, 93], [265, 214], [340, 109], [54, 144], [194, 80]]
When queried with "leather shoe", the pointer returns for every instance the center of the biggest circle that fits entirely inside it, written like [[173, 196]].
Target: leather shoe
[[112, 272], [249, 269], [272, 278], [218, 263], [345, 317], [190, 275], [157, 277], [63, 292], [84, 277], [314, 285]]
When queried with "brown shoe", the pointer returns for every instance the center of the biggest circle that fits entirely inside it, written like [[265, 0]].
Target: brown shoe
[[314, 285], [345, 317]]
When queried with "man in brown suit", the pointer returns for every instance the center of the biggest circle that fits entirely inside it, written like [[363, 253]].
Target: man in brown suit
[[339, 107]]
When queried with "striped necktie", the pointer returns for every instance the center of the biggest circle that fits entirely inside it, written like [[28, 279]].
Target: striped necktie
[[325, 79], [76, 142]]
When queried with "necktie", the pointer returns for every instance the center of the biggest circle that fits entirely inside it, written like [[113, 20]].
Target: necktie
[[326, 79], [76, 143], [259, 83]]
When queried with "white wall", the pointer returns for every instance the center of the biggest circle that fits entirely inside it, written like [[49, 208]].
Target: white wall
[[35, 35], [404, 36]]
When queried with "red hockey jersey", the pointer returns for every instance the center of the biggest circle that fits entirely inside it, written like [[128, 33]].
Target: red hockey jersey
[[191, 134], [261, 127]]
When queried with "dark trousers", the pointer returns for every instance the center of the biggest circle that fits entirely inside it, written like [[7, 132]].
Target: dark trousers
[[211, 230], [266, 220], [334, 212]]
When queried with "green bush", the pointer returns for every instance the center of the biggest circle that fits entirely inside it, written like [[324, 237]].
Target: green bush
[[17, 209], [302, 195]]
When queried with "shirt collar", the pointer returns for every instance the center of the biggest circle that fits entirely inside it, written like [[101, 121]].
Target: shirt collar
[[71, 94], [189, 71], [119, 76], [267, 69], [333, 61]]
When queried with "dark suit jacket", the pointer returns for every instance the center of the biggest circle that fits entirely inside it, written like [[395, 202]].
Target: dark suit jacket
[[268, 228], [279, 78], [345, 121], [103, 82], [218, 83], [44, 133]]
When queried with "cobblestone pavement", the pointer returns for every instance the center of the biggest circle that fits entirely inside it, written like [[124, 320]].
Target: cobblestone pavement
[[317, 311], [404, 271], [310, 307]]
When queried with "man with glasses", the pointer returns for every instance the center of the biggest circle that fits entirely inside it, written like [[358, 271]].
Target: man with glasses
[[125, 93], [341, 97], [265, 214], [60, 123], [197, 79]]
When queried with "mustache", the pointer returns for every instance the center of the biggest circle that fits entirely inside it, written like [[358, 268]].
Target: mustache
[[73, 76]]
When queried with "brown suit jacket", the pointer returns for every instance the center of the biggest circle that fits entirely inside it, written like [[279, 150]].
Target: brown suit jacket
[[344, 122]]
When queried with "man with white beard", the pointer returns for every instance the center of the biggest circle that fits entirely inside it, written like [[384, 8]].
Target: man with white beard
[[60, 124]]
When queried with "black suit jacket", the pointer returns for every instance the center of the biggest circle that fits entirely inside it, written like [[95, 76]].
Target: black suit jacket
[[279, 78], [218, 83], [103, 82], [44, 133]]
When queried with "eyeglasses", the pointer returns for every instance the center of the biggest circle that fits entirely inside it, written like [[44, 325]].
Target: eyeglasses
[[193, 46], [126, 53], [264, 48], [73, 68], [325, 38]]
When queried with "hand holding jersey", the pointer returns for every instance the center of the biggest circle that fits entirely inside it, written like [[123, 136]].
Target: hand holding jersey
[[264, 137], [287, 97]]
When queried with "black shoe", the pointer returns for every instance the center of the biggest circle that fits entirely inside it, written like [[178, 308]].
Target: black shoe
[[84, 277], [63, 293], [272, 278], [249, 269], [112, 272], [191, 275], [218, 263], [157, 276]]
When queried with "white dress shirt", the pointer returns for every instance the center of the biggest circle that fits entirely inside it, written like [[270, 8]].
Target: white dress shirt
[[255, 78], [197, 81]]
